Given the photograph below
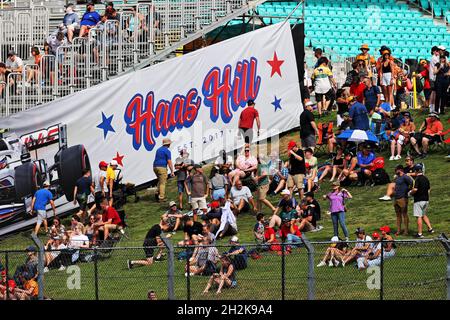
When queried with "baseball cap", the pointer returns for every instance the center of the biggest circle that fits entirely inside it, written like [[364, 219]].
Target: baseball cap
[[102, 164], [376, 235], [399, 167], [434, 114], [46, 183], [234, 239], [113, 163], [385, 229], [336, 184], [172, 203], [291, 145], [214, 204], [285, 192], [250, 102], [69, 5], [309, 103], [360, 230], [423, 61], [418, 167], [31, 249], [442, 48]]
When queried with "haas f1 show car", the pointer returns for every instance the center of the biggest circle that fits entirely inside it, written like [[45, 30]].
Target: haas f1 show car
[[23, 170]]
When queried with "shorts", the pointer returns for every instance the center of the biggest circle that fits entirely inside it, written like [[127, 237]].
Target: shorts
[[198, 203], [401, 206], [432, 85], [427, 93], [217, 194], [41, 216], [82, 201], [296, 181], [99, 197], [180, 186], [308, 227], [386, 79], [420, 208], [247, 134], [328, 96], [245, 208], [309, 141], [432, 139], [149, 245], [261, 192]]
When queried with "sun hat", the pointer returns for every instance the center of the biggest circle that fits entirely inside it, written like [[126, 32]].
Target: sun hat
[[172, 203], [385, 52], [442, 48], [166, 141], [364, 46]]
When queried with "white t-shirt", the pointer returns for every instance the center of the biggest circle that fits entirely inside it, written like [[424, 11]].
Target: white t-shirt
[[219, 161], [362, 242], [97, 177], [77, 241], [54, 254], [434, 59], [237, 195], [14, 64]]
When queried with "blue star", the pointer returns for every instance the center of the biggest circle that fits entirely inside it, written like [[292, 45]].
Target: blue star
[[106, 125], [276, 104]]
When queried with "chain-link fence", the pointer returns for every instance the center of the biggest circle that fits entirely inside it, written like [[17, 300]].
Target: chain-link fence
[[368, 270]]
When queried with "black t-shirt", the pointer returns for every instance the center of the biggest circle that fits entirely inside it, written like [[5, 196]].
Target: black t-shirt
[[345, 125], [342, 108], [154, 232], [84, 185], [197, 228], [423, 186], [337, 162], [306, 128], [297, 166]]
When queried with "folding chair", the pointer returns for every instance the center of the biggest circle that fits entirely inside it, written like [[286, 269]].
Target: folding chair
[[325, 133], [379, 129]]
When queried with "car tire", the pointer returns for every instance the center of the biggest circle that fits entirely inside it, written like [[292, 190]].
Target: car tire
[[72, 162], [27, 179]]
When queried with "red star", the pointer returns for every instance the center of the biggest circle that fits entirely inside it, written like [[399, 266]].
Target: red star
[[119, 158], [275, 64]]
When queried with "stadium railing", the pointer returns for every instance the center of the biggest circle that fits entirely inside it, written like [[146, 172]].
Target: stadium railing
[[418, 270]]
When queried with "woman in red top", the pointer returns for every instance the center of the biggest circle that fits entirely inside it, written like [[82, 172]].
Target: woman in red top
[[270, 239], [425, 75], [357, 89]]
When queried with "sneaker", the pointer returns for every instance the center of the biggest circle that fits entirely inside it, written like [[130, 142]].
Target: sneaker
[[321, 264], [431, 230], [391, 158], [397, 157], [328, 213], [347, 239], [330, 263], [174, 232], [129, 264], [122, 231], [336, 263], [46, 270], [385, 198], [343, 263], [419, 235], [62, 268]]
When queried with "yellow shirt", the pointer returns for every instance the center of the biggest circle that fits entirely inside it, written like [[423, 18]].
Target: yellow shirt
[[321, 77], [110, 174]]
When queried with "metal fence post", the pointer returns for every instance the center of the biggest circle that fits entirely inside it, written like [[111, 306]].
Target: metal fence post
[[382, 271], [7, 273], [283, 271], [41, 262], [170, 269], [96, 274], [311, 277], [446, 243], [188, 279]]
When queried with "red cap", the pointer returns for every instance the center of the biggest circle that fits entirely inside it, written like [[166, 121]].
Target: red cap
[[214, 205], [3, 273], [291, 145], [102, 164], [385, 229], [375, 235], [11, 284]]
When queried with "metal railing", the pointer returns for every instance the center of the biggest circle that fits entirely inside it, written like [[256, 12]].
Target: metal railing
[[110, 48], [411, 269]]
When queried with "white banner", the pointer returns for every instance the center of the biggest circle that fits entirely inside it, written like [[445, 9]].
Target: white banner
[[195, 100]]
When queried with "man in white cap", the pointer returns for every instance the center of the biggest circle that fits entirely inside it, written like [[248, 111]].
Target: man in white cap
[[163, 158], [41, 198], [110, 178]]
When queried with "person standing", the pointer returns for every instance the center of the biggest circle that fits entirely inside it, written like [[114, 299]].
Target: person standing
[[246, 121], [297, 168], [197, 187], [183, 165], [387, 76], [163, 159], [403, 184], [369, 61], [337, 199], [83, 188], [435, 55], [308, 127], [323, 85], [372, 95], [358, 114], [442, 72], [41, 198], [110, 179], [421, 194], [100, 185]]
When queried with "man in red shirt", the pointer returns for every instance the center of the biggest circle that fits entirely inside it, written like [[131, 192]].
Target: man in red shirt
[[248, 116], [110, 220], [433, 131]]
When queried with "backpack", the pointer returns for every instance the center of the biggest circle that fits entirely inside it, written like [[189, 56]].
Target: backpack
[[380, 177]]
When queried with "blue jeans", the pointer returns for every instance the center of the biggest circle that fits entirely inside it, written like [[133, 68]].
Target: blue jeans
[[339, 217], [292, 238]]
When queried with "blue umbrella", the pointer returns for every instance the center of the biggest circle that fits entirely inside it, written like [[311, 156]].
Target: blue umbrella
[[358, 136]]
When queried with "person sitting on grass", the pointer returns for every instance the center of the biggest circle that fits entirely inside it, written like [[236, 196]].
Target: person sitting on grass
[[360, 248], [258, 229], [53, 255], [335, 167], [75, 221], [192, 229], [270, 241], [56, 230], [373, 256], [311, 180], [204, 258], [388, 242], [225, 278], [350, 168], [207, 233], [279, 178], [173, 217], [152, 240], [110, 220], [237, 253], [290, 232], [286, 205], [365, 163], [288, 213], [213, 216], [242, 198], [335, 253]]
